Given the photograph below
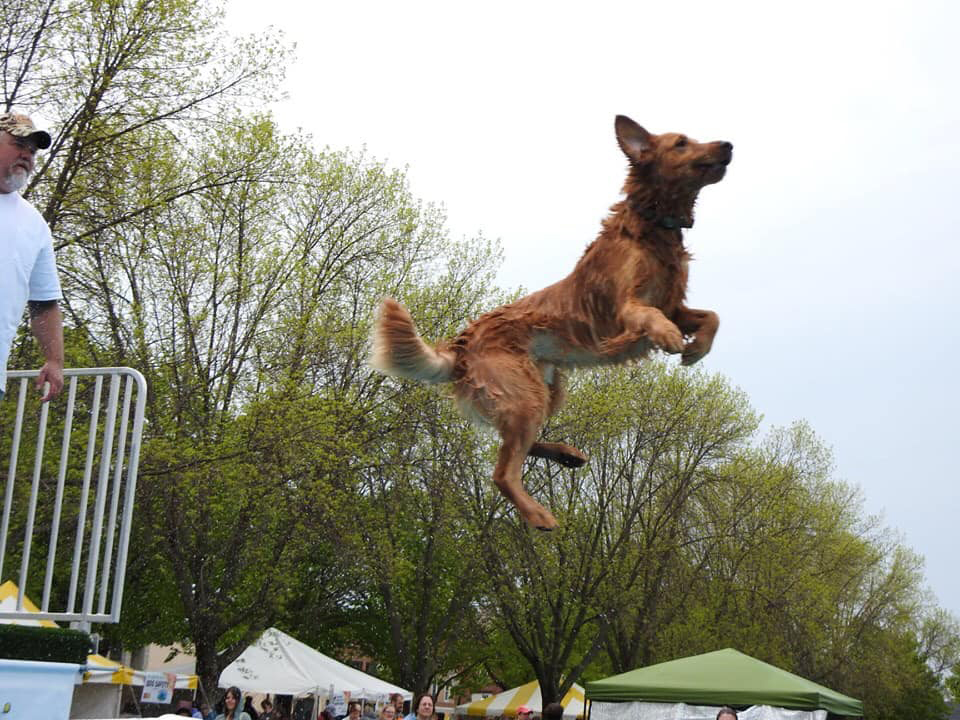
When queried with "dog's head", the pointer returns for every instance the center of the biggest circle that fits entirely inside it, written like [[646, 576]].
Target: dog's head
[[672, 159]]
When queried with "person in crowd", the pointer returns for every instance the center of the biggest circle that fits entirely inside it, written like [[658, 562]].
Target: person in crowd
[[422, 708], [327, 714], [207, 712], [387, 712], [191, 705], [727, 713], [396, 699], [248, 709], [524, 713], [353, 710], [266, 710], [28, 272], [232, 708], [553, 711]]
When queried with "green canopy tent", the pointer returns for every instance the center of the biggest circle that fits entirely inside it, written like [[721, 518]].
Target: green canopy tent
[[724, 677]]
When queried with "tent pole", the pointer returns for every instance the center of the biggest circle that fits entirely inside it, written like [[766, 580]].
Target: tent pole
[[136, 703]]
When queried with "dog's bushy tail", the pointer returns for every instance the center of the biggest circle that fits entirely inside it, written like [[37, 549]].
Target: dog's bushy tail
[[399, 350]]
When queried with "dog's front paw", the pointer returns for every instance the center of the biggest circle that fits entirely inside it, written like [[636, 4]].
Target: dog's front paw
[[695, 350], [667, 337]]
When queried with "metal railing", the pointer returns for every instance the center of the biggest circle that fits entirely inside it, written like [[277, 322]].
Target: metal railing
[[59, 495]]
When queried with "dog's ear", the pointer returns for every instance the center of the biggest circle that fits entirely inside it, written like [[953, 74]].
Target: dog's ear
[[633, 139]]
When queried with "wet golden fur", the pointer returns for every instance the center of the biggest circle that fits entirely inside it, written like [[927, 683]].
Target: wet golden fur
[[624, 298]]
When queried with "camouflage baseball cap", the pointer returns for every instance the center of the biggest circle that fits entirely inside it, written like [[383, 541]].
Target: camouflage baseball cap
[[22, 126]]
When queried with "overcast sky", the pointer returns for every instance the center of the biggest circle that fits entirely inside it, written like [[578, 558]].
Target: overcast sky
[[830, 250]]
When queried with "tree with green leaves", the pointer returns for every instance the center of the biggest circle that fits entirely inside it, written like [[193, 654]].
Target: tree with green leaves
[[401, 513], [121, 81], [245, 314], [794, 573], [237, 269]]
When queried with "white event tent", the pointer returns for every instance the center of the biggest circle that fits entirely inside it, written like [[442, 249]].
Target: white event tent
[[277, 663]]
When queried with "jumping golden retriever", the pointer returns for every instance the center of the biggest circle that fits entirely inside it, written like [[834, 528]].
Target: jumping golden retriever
[[624, 298]]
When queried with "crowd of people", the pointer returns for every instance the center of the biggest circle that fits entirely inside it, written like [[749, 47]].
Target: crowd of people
[[422, 708], [235, 707]]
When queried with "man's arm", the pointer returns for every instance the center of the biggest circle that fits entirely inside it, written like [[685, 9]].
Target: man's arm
[[47, 325]]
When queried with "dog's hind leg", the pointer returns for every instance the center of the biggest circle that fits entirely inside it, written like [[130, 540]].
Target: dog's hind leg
[[510, 393], [517, 434]]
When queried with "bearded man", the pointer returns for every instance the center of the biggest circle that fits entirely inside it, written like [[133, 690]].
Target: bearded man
[[28, 272]]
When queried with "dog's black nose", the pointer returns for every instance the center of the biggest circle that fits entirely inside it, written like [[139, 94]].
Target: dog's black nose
[[726, 152]]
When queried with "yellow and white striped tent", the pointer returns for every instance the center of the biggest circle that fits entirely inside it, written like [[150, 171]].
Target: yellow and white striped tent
[[105, 670], [106, 682], [506, 703]]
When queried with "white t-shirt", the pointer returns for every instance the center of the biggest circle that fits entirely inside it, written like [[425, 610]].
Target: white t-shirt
[[27, 268]]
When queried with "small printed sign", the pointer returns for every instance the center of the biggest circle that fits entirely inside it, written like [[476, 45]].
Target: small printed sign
[[158, 688], [339, 702]]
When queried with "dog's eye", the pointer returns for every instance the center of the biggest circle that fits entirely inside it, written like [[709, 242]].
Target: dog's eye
[[680, 142]]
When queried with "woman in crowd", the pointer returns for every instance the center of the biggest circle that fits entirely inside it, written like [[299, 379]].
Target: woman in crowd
[[387, 712], [422, 708], [231, 706]]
